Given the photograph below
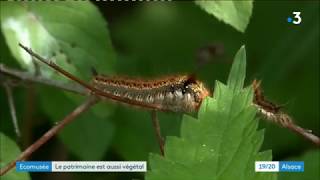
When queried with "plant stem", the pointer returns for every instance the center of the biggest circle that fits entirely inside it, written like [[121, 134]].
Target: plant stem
[[156, 125], [12, 110], [26, 76]]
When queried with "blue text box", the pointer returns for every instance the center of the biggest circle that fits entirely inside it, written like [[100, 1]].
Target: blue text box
[[291, 166], [33, 166]]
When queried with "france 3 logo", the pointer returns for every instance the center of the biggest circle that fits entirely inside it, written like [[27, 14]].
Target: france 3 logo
[[296, 19]]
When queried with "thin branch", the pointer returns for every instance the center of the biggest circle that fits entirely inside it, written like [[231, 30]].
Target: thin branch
[[12, 110], [26, 76], [50, 133], [286, 121], [93, 89], [156, 125], [56, 67], [307, 134]]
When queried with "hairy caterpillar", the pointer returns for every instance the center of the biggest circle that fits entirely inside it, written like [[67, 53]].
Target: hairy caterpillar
[[181, 93]]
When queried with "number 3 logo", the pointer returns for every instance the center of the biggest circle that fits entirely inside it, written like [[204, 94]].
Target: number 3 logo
[[297, 18]]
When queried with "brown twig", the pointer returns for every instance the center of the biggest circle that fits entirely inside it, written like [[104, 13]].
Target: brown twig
[[307, 134], [26, 76], [12, 110], [157, 129], [50, 133]]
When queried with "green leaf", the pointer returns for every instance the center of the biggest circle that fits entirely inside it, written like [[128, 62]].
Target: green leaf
[[238, 70], [8, 152], [311, 167], [75, 36], [223, 143], [235, 13]]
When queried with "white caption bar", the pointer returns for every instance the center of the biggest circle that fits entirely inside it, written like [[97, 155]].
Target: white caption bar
[[267, 166], [99, 166]]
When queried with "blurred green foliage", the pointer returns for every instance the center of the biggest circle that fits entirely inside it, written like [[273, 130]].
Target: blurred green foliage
[[152, 39]]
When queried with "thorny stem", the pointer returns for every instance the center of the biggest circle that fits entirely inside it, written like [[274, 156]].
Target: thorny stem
[[50, 133], [156, 125], [12, 110]]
